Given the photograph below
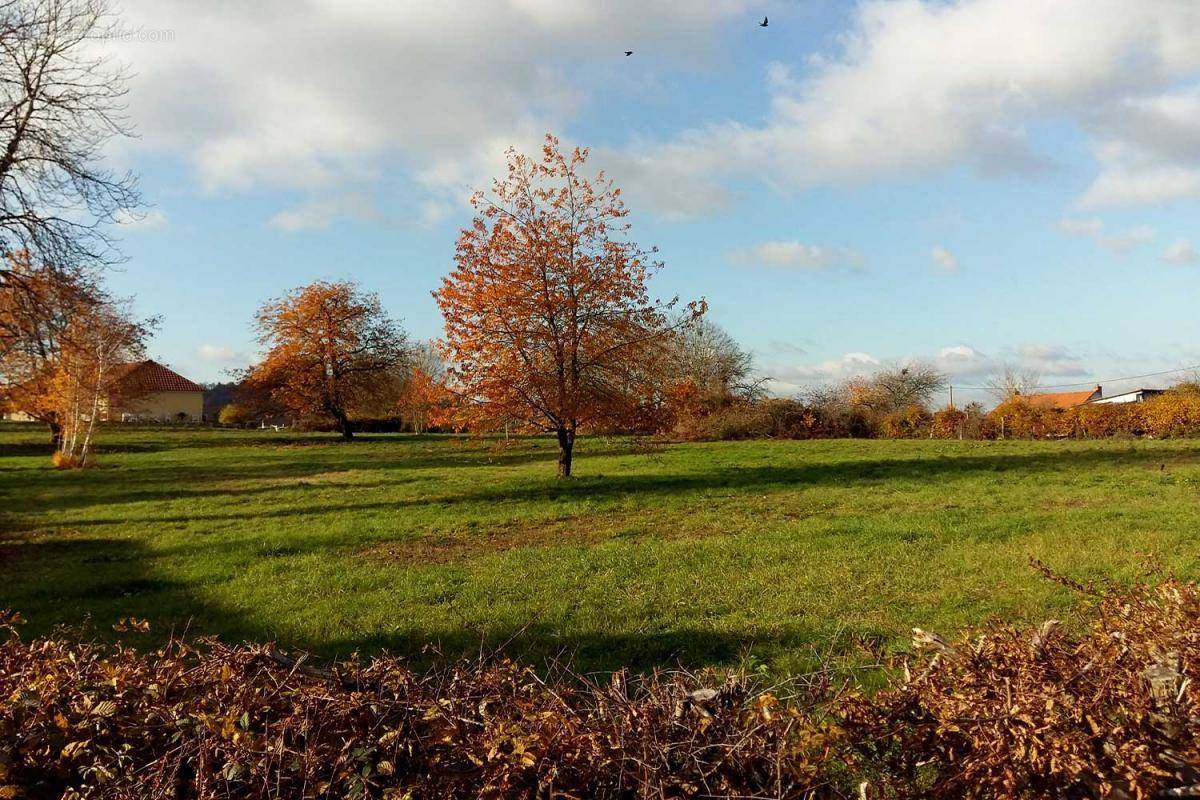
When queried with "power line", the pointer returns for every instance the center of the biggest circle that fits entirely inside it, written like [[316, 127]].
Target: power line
[[1101, 381]]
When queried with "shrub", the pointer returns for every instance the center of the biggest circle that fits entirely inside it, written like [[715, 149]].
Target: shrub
[[210, 720], [948, 423], [1110, 711], [764, 419], [1016, 418], [233, 414], [63, 460], [734, 422], [1013, 712], [1172, 413], [906, 423], [1101, 421]]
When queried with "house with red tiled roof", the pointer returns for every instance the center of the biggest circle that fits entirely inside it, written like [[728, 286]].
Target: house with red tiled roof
[[1063, 400], [148, 390]]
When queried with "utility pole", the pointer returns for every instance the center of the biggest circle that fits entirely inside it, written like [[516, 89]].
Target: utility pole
[[951, 396]]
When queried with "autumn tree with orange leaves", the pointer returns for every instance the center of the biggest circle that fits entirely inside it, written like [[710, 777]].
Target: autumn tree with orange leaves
[[87, 383], [424, 401], [332, 351], [549, 323], [62, 336], [37, 307]]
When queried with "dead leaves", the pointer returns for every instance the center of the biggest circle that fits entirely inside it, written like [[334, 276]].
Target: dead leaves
[[127, 624], [1108, 711], [1111, 712]]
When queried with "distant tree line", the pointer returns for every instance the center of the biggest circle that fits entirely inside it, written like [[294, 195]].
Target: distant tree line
[[896, 404]]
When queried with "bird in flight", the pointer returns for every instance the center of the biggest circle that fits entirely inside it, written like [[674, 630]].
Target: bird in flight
[[628, 53], [763, 24]]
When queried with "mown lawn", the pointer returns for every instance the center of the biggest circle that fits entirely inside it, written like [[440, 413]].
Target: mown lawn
[[692, 553]]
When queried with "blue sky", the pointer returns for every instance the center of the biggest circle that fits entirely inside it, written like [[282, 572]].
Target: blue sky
[[975, 183]]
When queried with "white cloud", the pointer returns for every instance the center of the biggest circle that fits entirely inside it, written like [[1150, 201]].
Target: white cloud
[[1094, 229], [1049, 359], [1149, 150], [849, 365], [1181, 251], [920, 86], [219, 354], [1123, 182], [320, 212], [944, 260], [141, 221], [961, 360], [962, 363], [671, 189], [325, 96], [791, 254]]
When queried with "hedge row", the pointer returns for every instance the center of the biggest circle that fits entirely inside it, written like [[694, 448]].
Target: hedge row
[[1174, 413], [1113, 711]]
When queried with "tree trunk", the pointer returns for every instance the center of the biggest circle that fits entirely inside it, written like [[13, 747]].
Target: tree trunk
[[566, 444], [56, 433], [343, 423]]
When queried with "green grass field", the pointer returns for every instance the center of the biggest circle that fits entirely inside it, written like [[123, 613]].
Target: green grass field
[[692, 553]]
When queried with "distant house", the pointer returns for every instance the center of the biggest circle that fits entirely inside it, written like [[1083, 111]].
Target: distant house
[[159, 394], [1063, 400], [1131, 396], [146, 390]]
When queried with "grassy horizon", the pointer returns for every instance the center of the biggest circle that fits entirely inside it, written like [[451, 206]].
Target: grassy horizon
[[697, 554]]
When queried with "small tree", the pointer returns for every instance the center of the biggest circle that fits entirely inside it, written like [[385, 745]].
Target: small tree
[[423, 394], [706, 355], [548, 320], [38, 306], [87, 379], [233, 414], [1012, 381], [899, 387], [331, 351]]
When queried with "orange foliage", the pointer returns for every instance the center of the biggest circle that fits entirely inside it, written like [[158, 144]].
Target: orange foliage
[[424, 402], [1015, 418], [37, 304], [63, 460], [682, 407], [905, 423], [1173, 413], [331, 351], [548, 320], [97, 342], [948, 423], [1105, 709], [62, 341]]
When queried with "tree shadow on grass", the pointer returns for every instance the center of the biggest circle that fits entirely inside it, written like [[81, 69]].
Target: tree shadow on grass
[[88, 584], [69, 577], [137, 482], [80, 580], [686, 647], [866, 474]]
